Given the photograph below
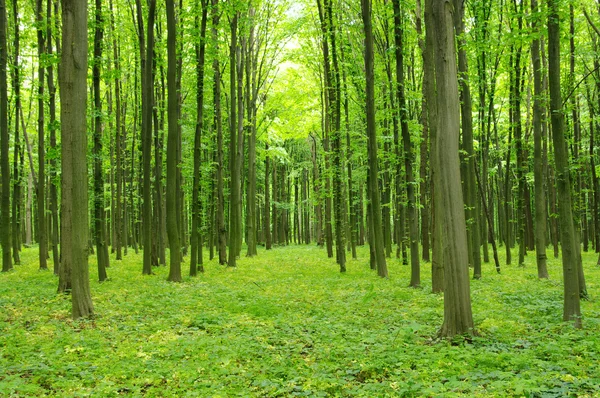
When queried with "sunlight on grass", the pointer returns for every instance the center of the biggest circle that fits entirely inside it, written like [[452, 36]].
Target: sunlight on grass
[[287, 323]]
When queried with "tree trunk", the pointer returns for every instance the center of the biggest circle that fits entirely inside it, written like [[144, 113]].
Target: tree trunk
[[172, 149], [234, 176], [118, 215], [449, 205], [74, 225], [41, 185], [18, 151], [5, 229], [196, 241], [99, 215], [54, 233], [415, 271], [474, 239], [376, 232], [570, 251], [538, 115]]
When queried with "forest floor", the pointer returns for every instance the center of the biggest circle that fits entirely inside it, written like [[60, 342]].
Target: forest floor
[[287, 323]]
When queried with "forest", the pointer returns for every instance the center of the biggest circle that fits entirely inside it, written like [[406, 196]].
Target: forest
[[299, 198]]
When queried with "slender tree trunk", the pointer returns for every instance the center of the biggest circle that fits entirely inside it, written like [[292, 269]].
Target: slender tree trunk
[[335, 99], [54, 232], [415, 274], [538, 115], [18, 151], [74, 188], [570, 251], [196, 241], [473, 231], [5, 221], [251, 98], [41, 185], [424, 178], [429, 90], [172, 148], [99, 215], [376, 232], [118, 216], [267, 222], [234, 177], [218, 125], [146, 57], [240, 60]]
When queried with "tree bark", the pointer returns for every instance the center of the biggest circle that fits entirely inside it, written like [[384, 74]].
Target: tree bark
[[570, 257], [172, 149], [54, 233], [41, 185], [376, 232], [458, 318], [18, 151], [195, 259], [473, 231], [234, 177], [413, 227], [74, 225], [99, 215], [5, 229], [538, 115]]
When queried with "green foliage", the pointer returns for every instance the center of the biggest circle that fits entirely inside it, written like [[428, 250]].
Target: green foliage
[[286, 323]]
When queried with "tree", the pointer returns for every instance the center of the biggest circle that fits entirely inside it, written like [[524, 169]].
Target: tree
[[196, 242], [4, 163], [18, 153], [74, 194], [172, 148], [569, 246], [373, 189], [99, 214], [538, 115], [448, 201], [413, 222], [218, 126], [234, 176], [53, 125], [146, 57], [41, 185]]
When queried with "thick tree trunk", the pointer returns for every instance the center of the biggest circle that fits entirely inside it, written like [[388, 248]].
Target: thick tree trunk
[[458, 318], [74, 225], [54, 233]]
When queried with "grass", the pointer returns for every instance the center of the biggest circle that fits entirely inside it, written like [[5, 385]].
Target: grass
[[287, 323]]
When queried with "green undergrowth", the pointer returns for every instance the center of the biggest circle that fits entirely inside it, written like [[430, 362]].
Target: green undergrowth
[[287, 323]]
